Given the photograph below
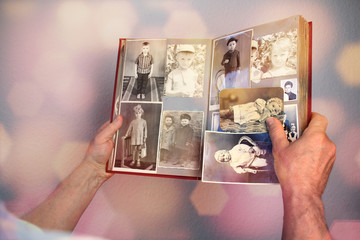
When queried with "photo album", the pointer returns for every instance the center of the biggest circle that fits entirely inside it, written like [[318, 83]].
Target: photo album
[[197, 108]]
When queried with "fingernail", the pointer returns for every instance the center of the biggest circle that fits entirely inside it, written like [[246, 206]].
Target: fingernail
[[118, 118], [270, 121]]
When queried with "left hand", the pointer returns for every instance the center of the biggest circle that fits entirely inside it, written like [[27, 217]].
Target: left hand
[[101, 146]]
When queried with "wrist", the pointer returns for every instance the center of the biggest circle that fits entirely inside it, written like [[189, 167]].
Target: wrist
[[304, 217], [97, 171], [300, 192]]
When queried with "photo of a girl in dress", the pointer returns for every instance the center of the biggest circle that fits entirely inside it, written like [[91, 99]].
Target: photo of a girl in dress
[[137, 132], [138, 137]]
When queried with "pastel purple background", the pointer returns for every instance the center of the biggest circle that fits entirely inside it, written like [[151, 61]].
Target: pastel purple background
[[57, 70]]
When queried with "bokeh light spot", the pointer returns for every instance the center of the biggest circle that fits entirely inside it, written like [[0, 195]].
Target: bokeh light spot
[[17, 9], [100, 219], [149, 202], [179, 22], [74, 14], [206, 204], [348, 64], [25, 99], [29, 165], [244, 213], [345, 229], [73, 92], [348, 152], [333, 111], [115, 20], [73, 19]]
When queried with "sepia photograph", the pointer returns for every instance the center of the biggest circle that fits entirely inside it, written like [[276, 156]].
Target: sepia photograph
[[230, 66], [185, 68], [274, 55], [144, 70], [290, 89], [238, 158], [138, 137], [246, 110], [180, 139]]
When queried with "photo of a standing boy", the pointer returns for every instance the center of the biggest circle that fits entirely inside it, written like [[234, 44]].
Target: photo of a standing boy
[[231, 62], [144, 64]]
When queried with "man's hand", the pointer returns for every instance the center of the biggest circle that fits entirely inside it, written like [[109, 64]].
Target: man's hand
[[303, 168], [64, 207], [100, 148]]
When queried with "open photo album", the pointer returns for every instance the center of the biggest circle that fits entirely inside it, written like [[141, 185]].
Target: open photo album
[[197, 108]]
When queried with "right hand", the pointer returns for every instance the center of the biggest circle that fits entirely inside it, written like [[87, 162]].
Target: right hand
[[101, 146], [303, 167]]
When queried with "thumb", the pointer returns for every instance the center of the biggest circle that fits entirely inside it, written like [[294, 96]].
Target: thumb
[[108, 132], [277, 134]]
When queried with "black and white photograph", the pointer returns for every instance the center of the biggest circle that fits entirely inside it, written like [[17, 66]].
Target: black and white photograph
[[185, 68], [144, 70], [180, 139], [246, 110], [138, 137], [274, 55], [230, 64], [238, 158], [290, 89], [291, 122]]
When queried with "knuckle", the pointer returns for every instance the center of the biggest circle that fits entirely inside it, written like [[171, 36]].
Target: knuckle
[[332, 148]]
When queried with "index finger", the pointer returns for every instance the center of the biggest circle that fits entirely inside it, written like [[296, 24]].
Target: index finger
[[318, 122]]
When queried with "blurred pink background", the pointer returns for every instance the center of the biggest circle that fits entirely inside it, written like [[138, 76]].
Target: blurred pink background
[[57, 71]]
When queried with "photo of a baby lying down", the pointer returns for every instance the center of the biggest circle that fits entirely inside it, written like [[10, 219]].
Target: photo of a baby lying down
[[246, 110]]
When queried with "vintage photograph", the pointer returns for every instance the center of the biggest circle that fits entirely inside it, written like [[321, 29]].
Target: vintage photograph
[[274, 55], [291, 122], [138, 137], [180, 139], [246, 110], [290, 89], [238, 158], [144, 70], [230, 64], [185, 68]]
